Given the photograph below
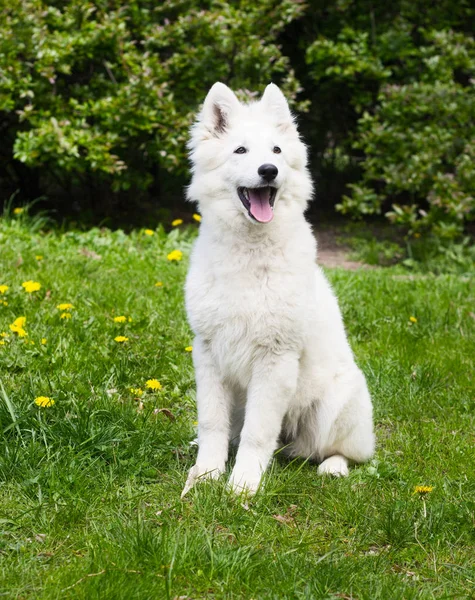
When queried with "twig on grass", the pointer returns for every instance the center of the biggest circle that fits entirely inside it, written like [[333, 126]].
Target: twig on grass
[[83, 578]]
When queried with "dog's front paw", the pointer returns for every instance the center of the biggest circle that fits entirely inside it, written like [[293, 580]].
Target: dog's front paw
[[244, 482], [200, 473]]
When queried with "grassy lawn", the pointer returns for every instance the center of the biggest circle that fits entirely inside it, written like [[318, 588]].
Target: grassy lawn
[[90, 486]]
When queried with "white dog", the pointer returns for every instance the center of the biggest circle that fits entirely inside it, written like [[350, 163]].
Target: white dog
[[273, 365]]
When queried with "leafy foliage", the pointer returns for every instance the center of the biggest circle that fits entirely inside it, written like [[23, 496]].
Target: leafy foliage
[[98, 97], [419, 144], [404, 79], [107, 90]]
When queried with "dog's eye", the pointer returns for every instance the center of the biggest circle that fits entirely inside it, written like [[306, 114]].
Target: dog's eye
[[240, 150], [276, 150]]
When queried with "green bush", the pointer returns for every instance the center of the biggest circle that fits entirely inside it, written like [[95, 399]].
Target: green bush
[[106, 91], [419, 144], [96, 98], [402, 79]]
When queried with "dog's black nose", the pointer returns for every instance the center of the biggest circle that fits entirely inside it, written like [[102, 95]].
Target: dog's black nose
[[268, 172]]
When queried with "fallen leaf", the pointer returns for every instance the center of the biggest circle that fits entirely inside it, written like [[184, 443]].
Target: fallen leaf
[[287, 519], [168, 413]]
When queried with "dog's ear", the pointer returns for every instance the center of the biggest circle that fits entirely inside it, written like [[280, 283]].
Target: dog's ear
[[275, 103], [218, 107]]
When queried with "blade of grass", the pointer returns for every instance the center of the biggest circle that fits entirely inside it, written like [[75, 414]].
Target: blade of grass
[[11, 410]]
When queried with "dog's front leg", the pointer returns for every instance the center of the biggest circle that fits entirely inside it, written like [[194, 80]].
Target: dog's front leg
[[214, 399], [272, 387]]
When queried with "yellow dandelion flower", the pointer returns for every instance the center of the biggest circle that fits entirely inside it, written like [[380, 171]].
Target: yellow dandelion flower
[[3, 289], [44, 401], [175, 255], [39, 257], [65, 306], [18, 211], [120, 319], [153, 384], [129, 319], [43, 341], [159, 284], [189, 349], [413, 319], [18, 327], [2, 342], [121, 338], [148, 231], [65, 315], [4, 334], [136, 391], [422, 490], [177, 222], [5, 303], [31, 286], [197, 218], [19, 330]]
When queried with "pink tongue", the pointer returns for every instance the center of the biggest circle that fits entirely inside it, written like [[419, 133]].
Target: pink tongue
[[260, 205]]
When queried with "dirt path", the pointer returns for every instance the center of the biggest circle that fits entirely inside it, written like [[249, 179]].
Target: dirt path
[[331, 254]]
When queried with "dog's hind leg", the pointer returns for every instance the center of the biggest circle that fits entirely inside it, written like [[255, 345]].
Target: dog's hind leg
[[214, 400], [346, 424], [338, 427], [335, 465]]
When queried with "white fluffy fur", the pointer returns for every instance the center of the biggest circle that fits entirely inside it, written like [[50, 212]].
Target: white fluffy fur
[[273, 365]]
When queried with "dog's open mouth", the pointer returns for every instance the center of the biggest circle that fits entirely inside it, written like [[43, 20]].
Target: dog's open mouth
[[259, 202]]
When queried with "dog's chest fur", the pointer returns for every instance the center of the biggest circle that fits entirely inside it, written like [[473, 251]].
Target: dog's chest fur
[[243, 299]]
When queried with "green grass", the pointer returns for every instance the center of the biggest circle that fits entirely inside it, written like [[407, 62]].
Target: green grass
[[90, 487]]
